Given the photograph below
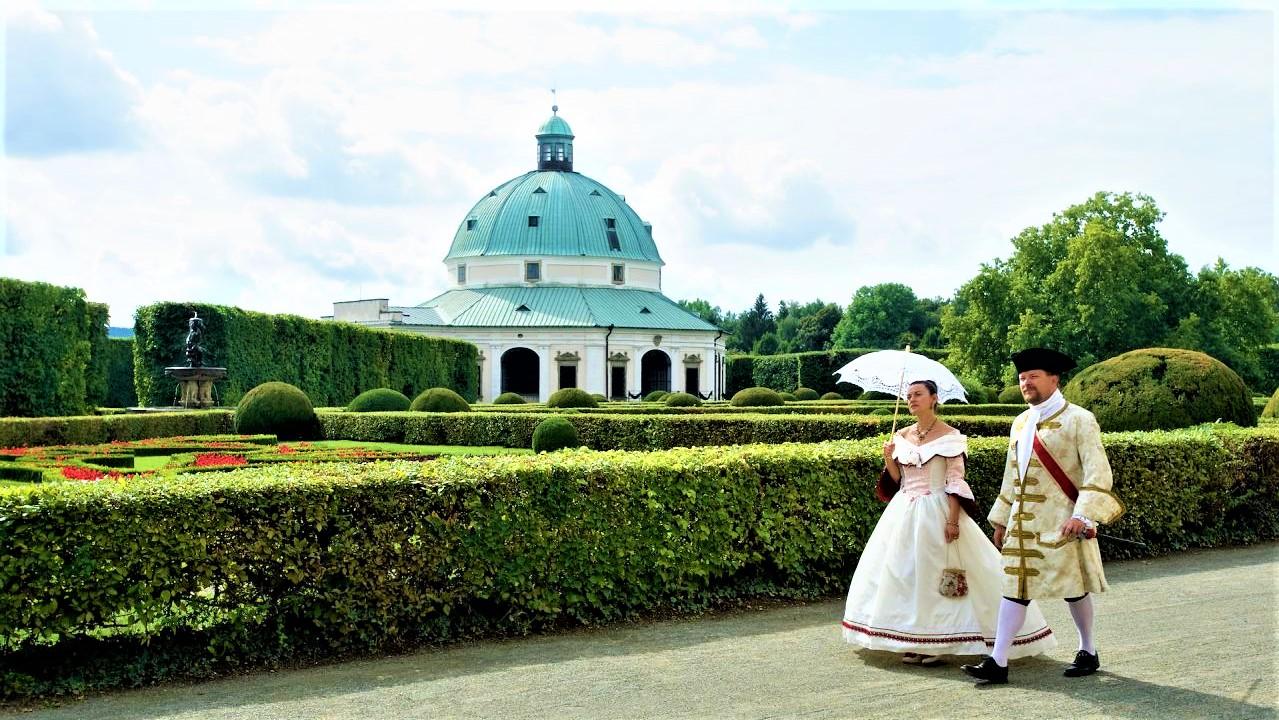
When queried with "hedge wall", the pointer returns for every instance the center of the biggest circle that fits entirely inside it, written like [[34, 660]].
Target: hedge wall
[[809, 369], [96, 384], [625, 432], [331, 362], [116, 584], [48, 339], [119, 371], [92, 429]]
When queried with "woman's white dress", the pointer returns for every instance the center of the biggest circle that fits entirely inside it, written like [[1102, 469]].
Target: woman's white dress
[[894, 603]]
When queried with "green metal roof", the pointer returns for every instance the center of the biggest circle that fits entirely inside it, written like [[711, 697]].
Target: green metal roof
[[554, 306], [572, 211], [555, 125]]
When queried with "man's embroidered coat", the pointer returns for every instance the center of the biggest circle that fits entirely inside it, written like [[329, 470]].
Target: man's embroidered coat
[[1038, 562]]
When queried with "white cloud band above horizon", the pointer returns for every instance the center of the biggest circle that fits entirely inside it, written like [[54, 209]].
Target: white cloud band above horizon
[[281, 161]]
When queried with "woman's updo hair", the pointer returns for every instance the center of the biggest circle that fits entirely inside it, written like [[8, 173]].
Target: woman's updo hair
[[932, 386]]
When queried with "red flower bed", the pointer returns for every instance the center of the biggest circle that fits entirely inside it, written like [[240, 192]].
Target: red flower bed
[[208, 459], [74, 472]]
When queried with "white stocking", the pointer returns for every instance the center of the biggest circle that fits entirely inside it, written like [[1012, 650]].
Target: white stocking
[[1011, 617], [1081, 610]]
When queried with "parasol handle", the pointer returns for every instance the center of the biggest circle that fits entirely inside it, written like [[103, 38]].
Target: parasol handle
[[900, 381]]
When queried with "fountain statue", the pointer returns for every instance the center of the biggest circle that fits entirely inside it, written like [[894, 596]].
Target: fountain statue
[[195, 380]]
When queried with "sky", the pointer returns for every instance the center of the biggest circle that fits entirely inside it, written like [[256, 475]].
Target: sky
[[282, 156]]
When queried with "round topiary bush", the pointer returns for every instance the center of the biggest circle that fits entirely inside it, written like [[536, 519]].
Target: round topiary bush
[[276, 408], [439, 400], [682, 399], [379, 400], [509, 398], [1011, 395], [804, 393], [876, 395], [1161, 389], [756, 397], [571, 398], [832, 396], [554, 433], [656, 396], [788, 397], [1272, 406]]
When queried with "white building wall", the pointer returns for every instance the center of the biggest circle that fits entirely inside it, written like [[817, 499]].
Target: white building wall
[[587, 272]]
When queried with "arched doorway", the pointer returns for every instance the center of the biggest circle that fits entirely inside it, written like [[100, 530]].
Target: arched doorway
[[655, 372], [520, 370]]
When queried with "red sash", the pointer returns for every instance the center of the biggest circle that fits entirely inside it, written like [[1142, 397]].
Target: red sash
[[1055, 470]]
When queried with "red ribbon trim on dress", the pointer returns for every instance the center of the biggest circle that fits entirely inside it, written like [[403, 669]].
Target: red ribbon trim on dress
[[944, 639]]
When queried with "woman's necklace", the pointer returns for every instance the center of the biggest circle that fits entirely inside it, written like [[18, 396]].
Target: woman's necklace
[[919, 436]]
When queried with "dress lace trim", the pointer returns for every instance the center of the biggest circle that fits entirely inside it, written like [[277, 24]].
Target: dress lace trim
[[952, 444]]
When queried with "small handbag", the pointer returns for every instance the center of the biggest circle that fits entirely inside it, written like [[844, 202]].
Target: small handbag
[[954, 582]]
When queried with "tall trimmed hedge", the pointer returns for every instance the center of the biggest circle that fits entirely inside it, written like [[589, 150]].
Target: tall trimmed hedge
[[331, 362], [119, 367], [215, 572], [52, 342], [96, 382], [808, 369]]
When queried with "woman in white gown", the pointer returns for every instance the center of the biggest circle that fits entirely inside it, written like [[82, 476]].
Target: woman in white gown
[[894, 603]]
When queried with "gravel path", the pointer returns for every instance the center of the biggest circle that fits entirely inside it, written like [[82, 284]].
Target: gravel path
[[1188, 636]]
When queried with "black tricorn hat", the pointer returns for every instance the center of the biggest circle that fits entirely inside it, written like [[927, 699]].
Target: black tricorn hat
[[1050, 361]]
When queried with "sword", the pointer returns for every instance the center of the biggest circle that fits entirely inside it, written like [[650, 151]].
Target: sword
[[1090, 534]]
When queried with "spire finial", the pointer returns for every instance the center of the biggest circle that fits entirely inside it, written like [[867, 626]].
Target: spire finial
[[555, 108]]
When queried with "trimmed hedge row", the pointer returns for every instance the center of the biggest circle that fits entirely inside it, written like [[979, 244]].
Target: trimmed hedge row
[[600, 431], [213, 573], [52, 343], [119, 369], [817, 407], [93, 429], [786, 372], [331, 362]]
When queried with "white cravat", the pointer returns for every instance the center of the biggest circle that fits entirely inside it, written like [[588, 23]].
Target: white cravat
[[1026, 442]]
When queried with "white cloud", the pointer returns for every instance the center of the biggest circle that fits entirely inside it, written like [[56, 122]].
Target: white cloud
[[271, 189], [63, 92]]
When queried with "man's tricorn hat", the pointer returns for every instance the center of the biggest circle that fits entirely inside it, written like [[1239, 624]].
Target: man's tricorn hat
[[1050, 361]]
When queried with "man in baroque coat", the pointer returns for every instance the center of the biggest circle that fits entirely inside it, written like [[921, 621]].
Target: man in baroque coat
[[1056, 490]]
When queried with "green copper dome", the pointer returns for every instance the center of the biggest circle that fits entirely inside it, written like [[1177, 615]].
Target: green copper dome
[[555, 125], [554, 211]]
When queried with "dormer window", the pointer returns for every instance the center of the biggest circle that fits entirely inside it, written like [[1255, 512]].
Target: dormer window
[[533, 220], [461, 274], [610, 232], [470, 224], [539, 191], [533, 271], [619, 273]]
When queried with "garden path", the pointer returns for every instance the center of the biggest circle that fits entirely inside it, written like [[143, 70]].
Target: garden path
[[1186, 636]]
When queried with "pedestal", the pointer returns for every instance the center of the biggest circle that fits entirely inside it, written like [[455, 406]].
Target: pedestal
[[196, 384]]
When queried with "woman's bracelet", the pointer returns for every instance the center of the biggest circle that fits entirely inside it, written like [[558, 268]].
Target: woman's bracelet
[[954, 524]]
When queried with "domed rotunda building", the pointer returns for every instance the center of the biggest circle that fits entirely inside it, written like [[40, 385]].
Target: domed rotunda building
[[559, 283]]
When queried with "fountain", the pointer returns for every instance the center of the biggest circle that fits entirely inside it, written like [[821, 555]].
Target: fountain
[[196, 380]]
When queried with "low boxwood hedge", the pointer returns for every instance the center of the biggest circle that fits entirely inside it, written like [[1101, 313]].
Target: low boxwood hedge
[[93, 429], [602, 431], [118, 583]]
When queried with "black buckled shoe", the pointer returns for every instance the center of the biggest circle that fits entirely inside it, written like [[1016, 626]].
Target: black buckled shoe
[[1085, 664], [988, 671]]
